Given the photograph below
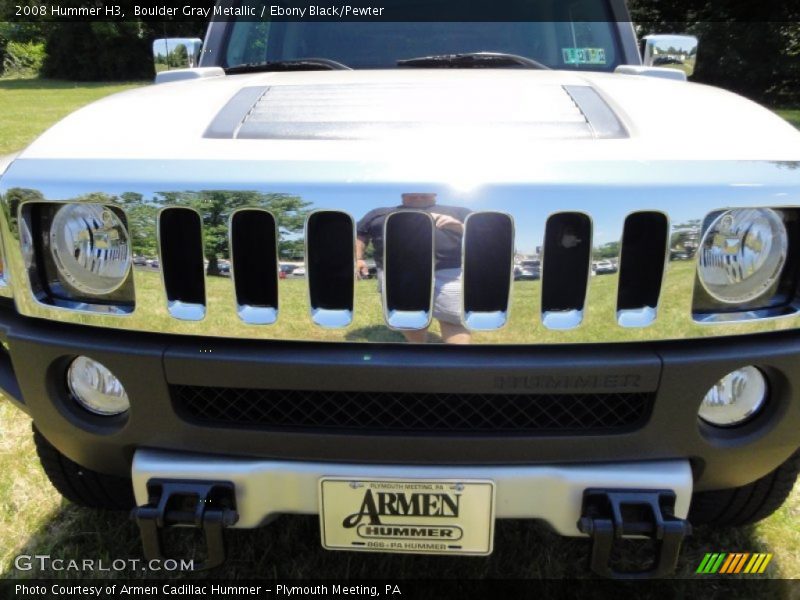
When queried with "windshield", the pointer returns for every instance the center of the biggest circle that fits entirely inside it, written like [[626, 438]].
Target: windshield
[[554, 40]]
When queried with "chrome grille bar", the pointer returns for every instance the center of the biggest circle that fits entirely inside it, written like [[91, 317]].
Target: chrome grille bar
[[488, 270], [180, 243], [566, 269], [408, 270], [330, 267], [643, 257], [254, 265]]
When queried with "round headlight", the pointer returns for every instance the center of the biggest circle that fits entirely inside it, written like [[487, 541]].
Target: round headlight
[[90, 247], [96, 388], [743, 254], [735, 398]]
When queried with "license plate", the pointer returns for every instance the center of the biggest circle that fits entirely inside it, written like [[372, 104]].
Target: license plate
[[409, 516]]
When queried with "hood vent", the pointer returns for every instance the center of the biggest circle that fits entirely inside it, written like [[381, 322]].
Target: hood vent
[[524, 110]]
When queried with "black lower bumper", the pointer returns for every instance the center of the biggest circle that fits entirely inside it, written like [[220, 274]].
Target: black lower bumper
[[676, 375]]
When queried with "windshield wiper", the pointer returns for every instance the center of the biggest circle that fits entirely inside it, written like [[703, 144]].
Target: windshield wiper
[[298, 64], [472, 60]]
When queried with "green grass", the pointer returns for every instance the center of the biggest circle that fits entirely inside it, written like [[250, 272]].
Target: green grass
[[793, 116], [29, 106], [368, 323], [35, 520]]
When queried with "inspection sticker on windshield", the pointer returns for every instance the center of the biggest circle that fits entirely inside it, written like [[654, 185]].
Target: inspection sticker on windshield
[[410, 516], [584, 56]]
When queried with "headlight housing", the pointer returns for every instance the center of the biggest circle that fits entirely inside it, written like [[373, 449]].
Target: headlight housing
[[90, 248], [79, 256], [742, 255]]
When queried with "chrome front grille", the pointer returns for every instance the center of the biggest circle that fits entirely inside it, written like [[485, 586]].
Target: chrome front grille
[[409, 273], [563, 216]]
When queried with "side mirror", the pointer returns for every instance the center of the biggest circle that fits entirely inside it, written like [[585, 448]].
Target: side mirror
[[670, 51], [176, 53]]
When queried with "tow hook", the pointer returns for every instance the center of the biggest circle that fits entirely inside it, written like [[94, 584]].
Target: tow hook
[[610, 515], [210, 506]]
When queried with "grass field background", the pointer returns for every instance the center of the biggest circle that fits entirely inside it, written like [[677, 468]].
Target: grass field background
[[35, 520], [29, 106], [793, 116]]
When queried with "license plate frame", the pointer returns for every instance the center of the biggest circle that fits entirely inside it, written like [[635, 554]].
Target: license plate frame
[[407, 515]]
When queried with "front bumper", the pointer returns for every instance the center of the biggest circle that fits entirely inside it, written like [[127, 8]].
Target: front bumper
[[678, 374], [553, 494]]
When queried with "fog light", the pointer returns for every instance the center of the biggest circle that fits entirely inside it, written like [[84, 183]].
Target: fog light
[[96, 388], [742, 255], [735, 398]]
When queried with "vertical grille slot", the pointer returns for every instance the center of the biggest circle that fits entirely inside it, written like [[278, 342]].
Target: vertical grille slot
[[408, 269], [488, 264], [330, 267], [180, 240], [642, 260], [566, 269], [254, 256]]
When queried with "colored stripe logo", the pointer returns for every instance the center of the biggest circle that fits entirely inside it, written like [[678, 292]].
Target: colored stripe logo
[[733, 563]]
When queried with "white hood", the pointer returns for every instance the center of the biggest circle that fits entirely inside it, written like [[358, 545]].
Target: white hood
[[663, 120]]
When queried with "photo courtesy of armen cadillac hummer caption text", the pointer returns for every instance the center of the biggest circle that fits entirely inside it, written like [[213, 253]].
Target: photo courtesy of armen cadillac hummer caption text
[[410, 278]]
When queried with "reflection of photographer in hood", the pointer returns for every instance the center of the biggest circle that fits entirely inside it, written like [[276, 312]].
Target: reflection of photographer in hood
[[449, 222]]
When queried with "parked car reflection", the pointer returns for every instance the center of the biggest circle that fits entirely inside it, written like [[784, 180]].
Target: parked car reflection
[[604, 267], [528, 270], [285, 270]]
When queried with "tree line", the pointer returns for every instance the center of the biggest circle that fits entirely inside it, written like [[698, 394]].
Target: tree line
[[752, 48], [88, 51], [749, 47], [216, 207]]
